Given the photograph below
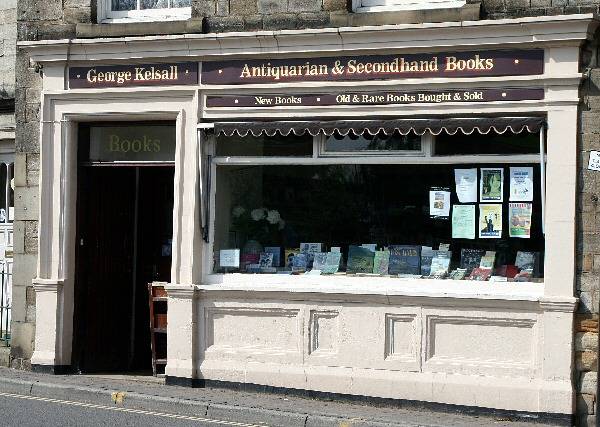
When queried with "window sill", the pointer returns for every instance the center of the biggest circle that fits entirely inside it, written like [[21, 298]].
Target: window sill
[[369, 285]]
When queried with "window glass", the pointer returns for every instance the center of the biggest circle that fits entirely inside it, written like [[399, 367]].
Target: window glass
[[368, 142], [491, 143], [154, 4], [263, 145], [120, 5], [275, 209]]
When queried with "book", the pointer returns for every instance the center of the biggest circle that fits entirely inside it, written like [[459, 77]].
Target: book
[[276, 251], [332, 263], [300, 261], [381, 262], [488, 260], [458, 274], [371, 246], [319, 260], [405, 259], [248, 259], [289, 255], [360, 260], [524, 276], [528, 261], [427, 254], [266, 260], [310, 247], [479, 273], [440, 264], [471, 258]]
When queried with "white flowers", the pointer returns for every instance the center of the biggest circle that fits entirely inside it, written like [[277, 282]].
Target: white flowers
[[258, 214], [238, 211], [273, 217]]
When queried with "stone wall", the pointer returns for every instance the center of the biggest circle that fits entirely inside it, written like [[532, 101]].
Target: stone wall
[[52, 19]]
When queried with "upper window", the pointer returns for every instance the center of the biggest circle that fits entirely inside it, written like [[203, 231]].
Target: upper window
[[144, 10], [387, 5]]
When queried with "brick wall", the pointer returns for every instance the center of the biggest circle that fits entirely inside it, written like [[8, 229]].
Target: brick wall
[[48, 19]]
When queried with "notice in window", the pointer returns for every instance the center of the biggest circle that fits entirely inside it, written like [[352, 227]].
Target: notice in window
[[491, 184], [439, 203], [519, 220], [521, 184], [490, 221], [466, 185], [463, 222]]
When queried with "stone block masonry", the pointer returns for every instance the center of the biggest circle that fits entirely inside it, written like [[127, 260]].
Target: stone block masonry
[[56, 19]]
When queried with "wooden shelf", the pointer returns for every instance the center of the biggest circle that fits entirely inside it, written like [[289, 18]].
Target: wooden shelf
[[158, 324]]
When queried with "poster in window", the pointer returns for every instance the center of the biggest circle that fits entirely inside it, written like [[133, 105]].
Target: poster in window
[[521, 184], [491, 184], [439, 202], [490, 221], [519, 220], [466, 185], [463, 222]]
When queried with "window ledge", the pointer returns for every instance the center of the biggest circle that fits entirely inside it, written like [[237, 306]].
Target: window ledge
[[439, 12], [369, 285]]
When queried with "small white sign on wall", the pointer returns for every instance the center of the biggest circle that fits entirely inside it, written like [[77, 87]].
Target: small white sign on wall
[[594, 163]]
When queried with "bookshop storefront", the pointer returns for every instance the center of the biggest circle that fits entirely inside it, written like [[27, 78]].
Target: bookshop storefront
[[390, 213]]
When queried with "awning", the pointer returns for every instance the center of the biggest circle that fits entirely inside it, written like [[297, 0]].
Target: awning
[[435, 126]]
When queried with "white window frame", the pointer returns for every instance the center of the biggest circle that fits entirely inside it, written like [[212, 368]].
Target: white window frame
[[427, 156], [399, 5], [106, 15]]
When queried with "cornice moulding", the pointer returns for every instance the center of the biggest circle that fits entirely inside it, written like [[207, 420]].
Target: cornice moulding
[[545, 30]]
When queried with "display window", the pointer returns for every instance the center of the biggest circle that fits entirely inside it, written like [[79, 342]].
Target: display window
[[461, 206]]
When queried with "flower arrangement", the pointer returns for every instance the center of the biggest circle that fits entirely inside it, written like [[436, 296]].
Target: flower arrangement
[[260, 224]]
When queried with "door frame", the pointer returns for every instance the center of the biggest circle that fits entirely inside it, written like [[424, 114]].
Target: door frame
[[54, 282]]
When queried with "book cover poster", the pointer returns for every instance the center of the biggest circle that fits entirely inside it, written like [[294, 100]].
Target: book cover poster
[[289, 255], [310, 247], [439, 202], [521, 184], [332, 263], [463, 222], [490, 221], [405, 259], [320, 261], [470, 258], [265, 260], [360, 260], [381, 262], [519, 220], [427, 254], [491, 184], [276, 251], [229, 258], [466, 185]]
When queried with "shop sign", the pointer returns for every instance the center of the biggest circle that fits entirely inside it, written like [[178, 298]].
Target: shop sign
[[132, 143], [377, 98], [133, 75], [377, 67], [594, 163]]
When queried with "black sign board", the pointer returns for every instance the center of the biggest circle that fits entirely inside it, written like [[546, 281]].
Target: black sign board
[[133, 75], [377, 98], [376, 67]]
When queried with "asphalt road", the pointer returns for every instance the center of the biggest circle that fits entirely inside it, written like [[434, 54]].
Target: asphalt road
[[30, 411]]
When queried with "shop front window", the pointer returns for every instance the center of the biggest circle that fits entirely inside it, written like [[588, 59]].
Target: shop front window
[[447, 216]]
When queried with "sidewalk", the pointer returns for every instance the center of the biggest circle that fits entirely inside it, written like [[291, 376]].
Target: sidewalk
[[239, 406]]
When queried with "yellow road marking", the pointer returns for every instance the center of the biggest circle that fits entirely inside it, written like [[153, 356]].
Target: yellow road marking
[[131, 411]]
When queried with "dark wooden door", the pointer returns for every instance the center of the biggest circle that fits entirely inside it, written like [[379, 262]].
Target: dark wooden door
[[105, 260]]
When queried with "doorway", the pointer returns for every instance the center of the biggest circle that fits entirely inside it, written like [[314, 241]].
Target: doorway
[[124, 232]]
